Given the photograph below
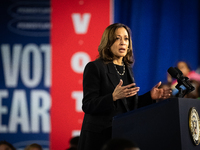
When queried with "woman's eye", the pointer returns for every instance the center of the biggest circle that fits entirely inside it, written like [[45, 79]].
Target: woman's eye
[[118, 38], [126, 38]]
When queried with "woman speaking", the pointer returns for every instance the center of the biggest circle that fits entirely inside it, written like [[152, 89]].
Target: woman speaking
[[109, 88]]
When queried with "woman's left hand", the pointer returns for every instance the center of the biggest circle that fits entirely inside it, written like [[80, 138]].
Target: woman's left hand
[[161, 93]]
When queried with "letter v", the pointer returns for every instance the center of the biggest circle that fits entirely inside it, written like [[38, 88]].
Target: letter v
[[81, 23]]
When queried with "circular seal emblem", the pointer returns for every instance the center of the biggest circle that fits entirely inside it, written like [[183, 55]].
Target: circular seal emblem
[[194, 125]]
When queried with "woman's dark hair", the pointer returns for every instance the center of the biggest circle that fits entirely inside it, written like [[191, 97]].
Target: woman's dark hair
[[108, 39]]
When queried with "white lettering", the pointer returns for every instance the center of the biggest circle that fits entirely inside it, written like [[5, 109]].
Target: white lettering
[[30, 59], [39, 121], [19, 112], [30, 62], [3, 110], [40, 106], [81, 23], [46, 48], [11, 64], [78, 61], [36, 65], [76, 133], [78, 96]]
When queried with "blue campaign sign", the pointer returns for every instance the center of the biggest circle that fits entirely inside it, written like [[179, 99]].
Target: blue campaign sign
[[25, 72]]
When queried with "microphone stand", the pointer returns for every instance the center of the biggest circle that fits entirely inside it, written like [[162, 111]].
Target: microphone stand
[[184, 81], [181, 92]]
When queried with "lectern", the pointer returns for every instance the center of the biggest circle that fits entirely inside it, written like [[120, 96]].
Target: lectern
[[160, 126]]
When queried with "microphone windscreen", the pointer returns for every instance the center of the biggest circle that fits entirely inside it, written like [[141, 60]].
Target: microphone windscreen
[[179, 72], [173, 72]]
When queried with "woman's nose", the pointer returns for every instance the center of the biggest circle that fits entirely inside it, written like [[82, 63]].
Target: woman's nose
[[122, 41]]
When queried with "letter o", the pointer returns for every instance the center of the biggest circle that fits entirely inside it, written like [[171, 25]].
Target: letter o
[[78, 61]]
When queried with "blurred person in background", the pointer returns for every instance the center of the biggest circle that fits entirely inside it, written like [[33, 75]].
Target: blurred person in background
[[196, 93], [73, 143], [187, 72], [4, 145], [33, 146]]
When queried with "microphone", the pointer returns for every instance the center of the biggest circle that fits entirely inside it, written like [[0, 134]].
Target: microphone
[[185, 79], [180, 72], [173, 72], [182, 80]]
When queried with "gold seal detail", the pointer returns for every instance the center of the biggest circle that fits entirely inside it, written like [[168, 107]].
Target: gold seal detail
[[194, 125]]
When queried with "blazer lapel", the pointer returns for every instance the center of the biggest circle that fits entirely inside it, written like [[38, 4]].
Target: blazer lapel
[[114, 78], [133, 80], [131, 74]]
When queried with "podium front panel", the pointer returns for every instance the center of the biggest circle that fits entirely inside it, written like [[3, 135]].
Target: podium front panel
[[160, 126]]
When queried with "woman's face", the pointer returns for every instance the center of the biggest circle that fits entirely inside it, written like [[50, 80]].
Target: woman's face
[[120, 46]]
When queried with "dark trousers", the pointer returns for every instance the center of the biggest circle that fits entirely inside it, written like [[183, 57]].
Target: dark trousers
[[94, 140]]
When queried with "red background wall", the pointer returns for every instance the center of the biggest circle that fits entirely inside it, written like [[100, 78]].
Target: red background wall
[[77, 27]]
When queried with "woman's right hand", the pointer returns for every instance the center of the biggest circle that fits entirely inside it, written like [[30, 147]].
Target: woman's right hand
[[121, 92]]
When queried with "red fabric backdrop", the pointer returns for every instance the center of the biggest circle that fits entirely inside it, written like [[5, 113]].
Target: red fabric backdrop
[[77, 27]]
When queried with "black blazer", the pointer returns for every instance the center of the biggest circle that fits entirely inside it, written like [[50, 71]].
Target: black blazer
[[99, 82]]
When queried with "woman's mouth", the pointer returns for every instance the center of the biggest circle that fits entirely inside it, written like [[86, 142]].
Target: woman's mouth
[[122, 49]]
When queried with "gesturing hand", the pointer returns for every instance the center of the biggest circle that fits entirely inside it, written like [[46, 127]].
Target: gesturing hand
[[157, 93], [124, 91]]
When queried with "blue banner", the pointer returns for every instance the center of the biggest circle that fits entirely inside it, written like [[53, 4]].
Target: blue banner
[[25, 72]]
